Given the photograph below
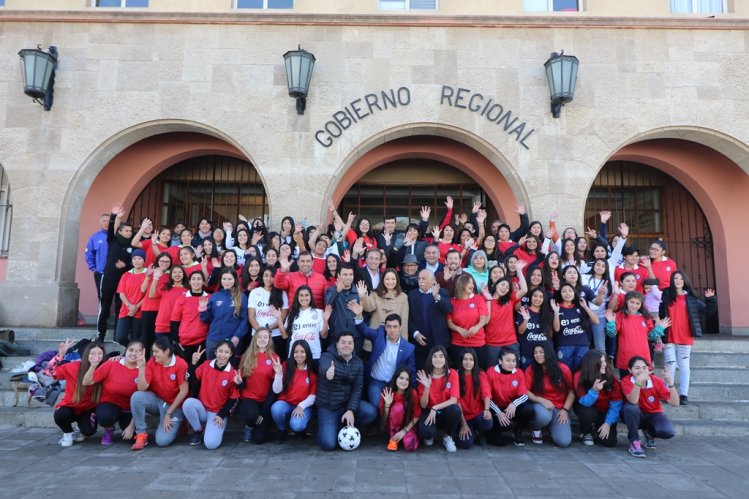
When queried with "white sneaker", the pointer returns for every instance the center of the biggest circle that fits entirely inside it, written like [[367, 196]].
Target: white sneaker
[[23, 367], [429, 442], [449, 444], [587, 439], [77, 435], [66, 440]]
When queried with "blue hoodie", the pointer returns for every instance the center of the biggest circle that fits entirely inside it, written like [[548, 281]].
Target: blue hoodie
[[220, 315]]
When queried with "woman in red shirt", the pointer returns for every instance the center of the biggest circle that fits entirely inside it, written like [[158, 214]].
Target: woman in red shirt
[[185, 319], [500, 330], [167, 296], [215, 383], [439, 391], [599, 399], [262, 375], [132, 292], [77, 405], [661, 267], [509, 399], [475, 397], [294, 405], [400, 411], [447, 242], [156, 279], [119, 380], [467, 320], [683, 308], [551, 390], [162, 387]]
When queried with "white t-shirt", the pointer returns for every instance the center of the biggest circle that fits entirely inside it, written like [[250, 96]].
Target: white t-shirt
[[307, 327], [258, 300]]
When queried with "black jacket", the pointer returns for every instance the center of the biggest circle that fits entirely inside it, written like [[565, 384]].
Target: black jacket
[[437, 320], [118, 248], [344, 391], [695, 307]]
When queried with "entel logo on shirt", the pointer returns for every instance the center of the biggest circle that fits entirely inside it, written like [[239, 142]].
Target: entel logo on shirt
[[224, 383], [514, 382], [172, 376], [651, 399]]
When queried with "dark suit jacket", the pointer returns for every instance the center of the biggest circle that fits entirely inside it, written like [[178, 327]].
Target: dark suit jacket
[[436, 317], [378, 337]]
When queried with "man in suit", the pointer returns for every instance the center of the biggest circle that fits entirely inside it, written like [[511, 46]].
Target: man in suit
[[371, 272], [431, 259], [428, 307], [389, 350]]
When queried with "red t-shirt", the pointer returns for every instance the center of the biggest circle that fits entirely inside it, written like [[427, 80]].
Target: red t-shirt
[[69, 372], [398, 399], [500, 331], [506, 387], [650, 395], [152, 304], [216, 387], [192, 331], [258, 384], [168, 299], [147, 246], [662, 269], [466, 314], [632, 333], [302, 386], [604, 397], [130, 285], [556, 395], [442, 388], [118, 383], [445, 247], [680, 331], [191, 269], [473, 405], [640, 272], [164, 381], [319, 264]]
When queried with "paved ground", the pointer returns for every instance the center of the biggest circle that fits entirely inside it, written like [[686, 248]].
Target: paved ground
[[33, 465]]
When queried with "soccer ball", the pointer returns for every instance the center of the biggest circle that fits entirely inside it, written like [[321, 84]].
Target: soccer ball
[[349, 438]]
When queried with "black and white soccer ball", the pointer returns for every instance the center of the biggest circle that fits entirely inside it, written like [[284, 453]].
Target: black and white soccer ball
[[349, 438]]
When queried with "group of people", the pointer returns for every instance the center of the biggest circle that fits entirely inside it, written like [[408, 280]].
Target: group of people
[[459, 331]]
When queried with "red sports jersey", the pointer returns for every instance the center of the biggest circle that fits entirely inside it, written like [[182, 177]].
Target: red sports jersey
[[500, 331], [147, 246], [442, 388], [473, 405], [258, 384], [555, 395], [632, 332], [640, 272], [168, 299], [164, 381], [152, 304], [69, 372], [604, 397], [118, 383], [650, 395], [662, 269], [506, 387], [302, 386], [130, 285], [466, 314], [216, 387], [192, 331], [680, 331], [191, 269], [398, 399]]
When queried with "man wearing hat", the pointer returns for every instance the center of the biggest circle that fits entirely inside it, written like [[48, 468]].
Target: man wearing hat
[[131, 292], [409, 273]]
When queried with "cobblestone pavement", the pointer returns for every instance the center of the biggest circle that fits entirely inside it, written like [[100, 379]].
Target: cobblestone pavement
[[32, 464]]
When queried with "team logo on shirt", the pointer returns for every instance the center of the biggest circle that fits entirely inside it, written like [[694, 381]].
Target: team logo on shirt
[[224, 382], [219, 303], [135, 381], [314, 314], [643, 324], [306, 380], [651, 399], [560, 355], [267, 362], [668, 269], [638, 277], [130, 250], [514, 382], [448, 385], [472, 305], [172, 376]]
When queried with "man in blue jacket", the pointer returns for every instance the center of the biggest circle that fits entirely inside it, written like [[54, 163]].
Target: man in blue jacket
[[428, 307], [96, 252], [389, 350]]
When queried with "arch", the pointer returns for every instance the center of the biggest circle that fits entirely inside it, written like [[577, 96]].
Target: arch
[[719, 185], [450, 145]]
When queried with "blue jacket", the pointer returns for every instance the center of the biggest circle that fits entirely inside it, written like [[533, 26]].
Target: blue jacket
[[220, 315], [96, 251], [437, 313], [378, 337]]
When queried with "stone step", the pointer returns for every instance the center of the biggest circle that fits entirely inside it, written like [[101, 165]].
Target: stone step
[[717, 375], [720, 392], [700, 428], [719, 359], [709, 411], [721, 343]]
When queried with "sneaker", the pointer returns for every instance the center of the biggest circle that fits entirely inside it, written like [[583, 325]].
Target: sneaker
[[537, 437], [636, 450], [247, 434], [66, 440], [108, 438], [392, 445], [447, 441], [196, 438], [429, 442], [649, 440], [77, 435], [587, 439], [517, 439], [141, 440], [683, 400]]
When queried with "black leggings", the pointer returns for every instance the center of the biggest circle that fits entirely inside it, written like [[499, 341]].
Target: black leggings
[[522, 420], [590, 420], [65, 417], [448, 420], [147, 330], [107, 294], [250, 410], [107, 414]]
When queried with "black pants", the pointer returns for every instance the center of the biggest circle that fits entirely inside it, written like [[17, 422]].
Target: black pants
[[186, 351], [97, 283], [148, 330], [422, 352], [280, 345], [128, 329], [108, 293], [107, 414], [590, 420], [521, 421], [250, 410], [65, 417], [447, 420]]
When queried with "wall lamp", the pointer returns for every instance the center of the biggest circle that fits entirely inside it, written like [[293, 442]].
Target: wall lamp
[[561, 71], [299, 65], [39, 74]]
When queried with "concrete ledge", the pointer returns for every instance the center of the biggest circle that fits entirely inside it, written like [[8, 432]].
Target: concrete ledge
[[46, 304]]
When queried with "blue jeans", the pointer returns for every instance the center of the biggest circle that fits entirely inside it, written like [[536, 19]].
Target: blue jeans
[[655, 423], [571, 355], [477, 424], [599, 334], [329, 422], [374, 391], [281, 411]]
